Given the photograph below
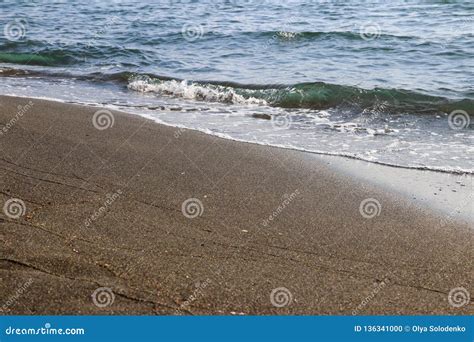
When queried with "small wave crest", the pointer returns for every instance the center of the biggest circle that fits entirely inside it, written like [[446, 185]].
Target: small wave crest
[[193, 91], [316, 95]]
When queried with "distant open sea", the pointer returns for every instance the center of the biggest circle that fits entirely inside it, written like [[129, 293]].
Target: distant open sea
[[390, 82]]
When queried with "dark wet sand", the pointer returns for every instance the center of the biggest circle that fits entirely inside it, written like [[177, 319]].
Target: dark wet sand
[[77, 236]]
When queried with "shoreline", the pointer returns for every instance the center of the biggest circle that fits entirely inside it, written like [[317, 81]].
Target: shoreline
[[426, 189], [433, 169], [318, 245]]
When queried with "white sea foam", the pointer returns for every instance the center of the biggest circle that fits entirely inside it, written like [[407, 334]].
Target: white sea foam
[[309, 130], [194, 91]]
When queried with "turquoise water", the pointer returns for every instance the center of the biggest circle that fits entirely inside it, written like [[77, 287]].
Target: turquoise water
[[367, 79]]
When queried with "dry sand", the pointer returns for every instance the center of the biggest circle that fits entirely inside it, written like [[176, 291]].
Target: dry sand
[[103, 208]]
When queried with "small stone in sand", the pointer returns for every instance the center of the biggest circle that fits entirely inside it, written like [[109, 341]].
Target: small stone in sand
[[261, 116]]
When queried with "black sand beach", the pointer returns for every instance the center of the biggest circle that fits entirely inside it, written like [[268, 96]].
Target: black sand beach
[[103, 208]]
